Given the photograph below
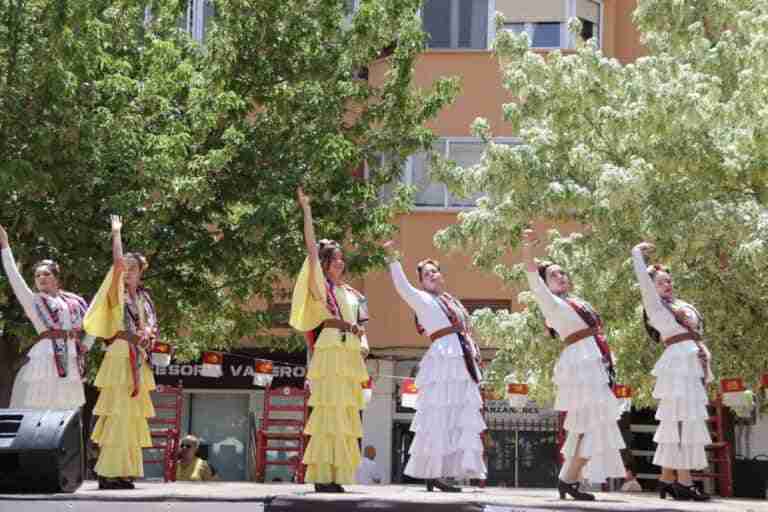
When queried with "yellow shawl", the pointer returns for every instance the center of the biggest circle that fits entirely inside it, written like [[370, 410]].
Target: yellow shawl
[[308, 311], [105, 314]]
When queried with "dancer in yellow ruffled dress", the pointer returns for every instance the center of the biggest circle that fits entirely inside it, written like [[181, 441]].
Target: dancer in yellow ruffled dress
[[123, 314], [335, 314]]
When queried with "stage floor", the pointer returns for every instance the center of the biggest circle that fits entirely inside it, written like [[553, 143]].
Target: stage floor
[[284, 497]]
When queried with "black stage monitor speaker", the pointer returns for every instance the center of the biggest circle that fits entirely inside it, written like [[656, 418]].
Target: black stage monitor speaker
[[41, 450]]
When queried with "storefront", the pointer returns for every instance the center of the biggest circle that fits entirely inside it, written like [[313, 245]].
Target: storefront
[[225, 412]]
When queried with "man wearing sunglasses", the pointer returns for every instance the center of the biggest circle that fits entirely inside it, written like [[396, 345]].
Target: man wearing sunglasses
[[190, 466]]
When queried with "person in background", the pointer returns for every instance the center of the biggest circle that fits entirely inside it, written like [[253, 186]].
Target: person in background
[[368, 471], [190, 466]]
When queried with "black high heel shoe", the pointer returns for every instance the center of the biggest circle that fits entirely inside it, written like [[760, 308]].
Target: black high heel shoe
[[114, 483], [690, 492], [332, 487], [668, 488], [573, 491], [433, 482]]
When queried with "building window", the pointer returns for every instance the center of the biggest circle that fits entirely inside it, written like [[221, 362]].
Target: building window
[[434, 194], [351, 6], [455, 24], [545, 34], [198, 17], [547, 28], [590, 14]]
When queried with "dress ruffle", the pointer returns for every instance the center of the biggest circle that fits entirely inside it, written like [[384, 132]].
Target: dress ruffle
[[682, 411], [336, 374], [38, 385], [448, 421], [592, 411], [122, 429]]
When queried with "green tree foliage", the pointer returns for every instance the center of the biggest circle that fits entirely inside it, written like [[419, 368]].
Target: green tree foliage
[[106, 109], [671, 149]]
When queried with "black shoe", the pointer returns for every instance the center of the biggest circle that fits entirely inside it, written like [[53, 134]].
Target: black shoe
[[433, 482], [573, 491], [124, 483], [109, 483], [329, 488], [671, 489], [690, 492]]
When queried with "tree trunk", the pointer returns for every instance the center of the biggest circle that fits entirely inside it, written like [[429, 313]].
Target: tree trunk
[[9, 357]]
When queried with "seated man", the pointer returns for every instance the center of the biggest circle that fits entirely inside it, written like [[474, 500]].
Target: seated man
[[368, 472], [191, 467]]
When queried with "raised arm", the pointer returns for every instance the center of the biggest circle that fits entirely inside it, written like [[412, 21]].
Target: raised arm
[[651, 299], [544, 298], [310, 241], [24, 295], [117, 258], [412, 296]]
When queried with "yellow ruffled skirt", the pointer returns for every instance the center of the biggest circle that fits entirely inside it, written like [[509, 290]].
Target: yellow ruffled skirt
[[122, 429], [336, 374]]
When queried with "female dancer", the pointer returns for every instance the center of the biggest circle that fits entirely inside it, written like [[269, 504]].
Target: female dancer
[[336, 314], [583, 379], [52, 377], [448, 422], [123, 314], [680, 373]]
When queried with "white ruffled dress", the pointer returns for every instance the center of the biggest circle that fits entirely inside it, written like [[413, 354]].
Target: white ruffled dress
[[448, 420], [37, 384], [592, 409], [682, 434]]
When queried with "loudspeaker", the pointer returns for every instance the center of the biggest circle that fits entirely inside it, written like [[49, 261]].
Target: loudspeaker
[[41, 450]]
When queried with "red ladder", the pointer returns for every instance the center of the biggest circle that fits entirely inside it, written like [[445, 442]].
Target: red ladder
[[720, 450], [165, 429], [282, 430]]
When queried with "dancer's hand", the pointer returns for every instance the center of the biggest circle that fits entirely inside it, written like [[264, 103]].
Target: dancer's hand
[[530, 238], [389, 246], [645, 248], [3, 238], [117, 223], [303, 198]]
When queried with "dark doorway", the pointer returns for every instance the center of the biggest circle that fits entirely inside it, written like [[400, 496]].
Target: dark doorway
[[402, 437]]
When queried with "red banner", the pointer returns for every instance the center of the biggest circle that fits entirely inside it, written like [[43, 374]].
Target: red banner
[[732, 385], [262, 366], [622, 391], [409, 387], [213, 358], [517, 389]]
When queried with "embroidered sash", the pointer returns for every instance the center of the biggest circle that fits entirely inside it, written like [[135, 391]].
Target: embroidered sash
[[458, 317], [334, 309], [49, 316], [136, 323], [592, 318], [677, 308]]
